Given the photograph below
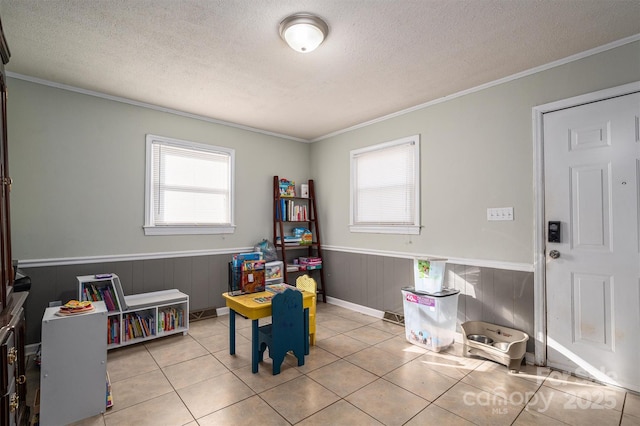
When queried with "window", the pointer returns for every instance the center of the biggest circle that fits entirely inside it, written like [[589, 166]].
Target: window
[[385, 187], [189, 188]]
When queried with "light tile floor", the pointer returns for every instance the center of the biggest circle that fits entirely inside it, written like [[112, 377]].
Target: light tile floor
[[362, 371]]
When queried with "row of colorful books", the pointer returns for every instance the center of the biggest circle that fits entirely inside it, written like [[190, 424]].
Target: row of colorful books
[[138, 326], [96, 293], [247, 273], [291, 210], [170, 319], [113, 325], [238, 260], [142, 325]]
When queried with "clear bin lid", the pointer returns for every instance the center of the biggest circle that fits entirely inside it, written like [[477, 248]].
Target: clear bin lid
[[442, 293]]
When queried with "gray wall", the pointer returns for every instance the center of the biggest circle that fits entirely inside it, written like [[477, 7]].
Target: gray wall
[[203, 278], [492, 295], [78, 167], [476, 153]]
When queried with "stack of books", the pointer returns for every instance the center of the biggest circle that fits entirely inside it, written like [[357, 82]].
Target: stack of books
[[309, 263], [289, 240]]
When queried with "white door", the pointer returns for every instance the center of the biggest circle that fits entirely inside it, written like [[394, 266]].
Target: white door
[[592, 181]]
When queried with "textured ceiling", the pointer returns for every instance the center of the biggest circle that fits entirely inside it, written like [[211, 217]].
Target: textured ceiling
[[224, 59]]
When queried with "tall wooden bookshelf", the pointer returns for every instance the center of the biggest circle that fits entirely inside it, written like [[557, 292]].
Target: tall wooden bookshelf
[[290, 212]]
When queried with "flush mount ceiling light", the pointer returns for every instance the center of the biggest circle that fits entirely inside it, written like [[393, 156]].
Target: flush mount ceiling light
[[303, 32]]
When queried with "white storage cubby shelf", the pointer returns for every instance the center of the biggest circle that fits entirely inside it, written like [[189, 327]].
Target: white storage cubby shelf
[[137, 317]]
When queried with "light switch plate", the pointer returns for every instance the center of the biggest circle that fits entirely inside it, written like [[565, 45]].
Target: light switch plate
[[500, 213]]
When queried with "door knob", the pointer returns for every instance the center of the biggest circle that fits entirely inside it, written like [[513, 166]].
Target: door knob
[[554, 254]]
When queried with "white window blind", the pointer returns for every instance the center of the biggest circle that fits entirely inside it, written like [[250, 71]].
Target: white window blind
[[189, 187], [385, 187]]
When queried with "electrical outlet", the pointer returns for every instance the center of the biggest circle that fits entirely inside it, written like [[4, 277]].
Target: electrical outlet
[[500, 213]]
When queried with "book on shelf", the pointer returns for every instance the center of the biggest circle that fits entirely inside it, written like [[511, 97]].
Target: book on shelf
[[295, 267], [239, 259], [128, 324], [138, 325], [113, 335], [246, 273], [310, 267], [289, 239], [170, 319], [109, 396], [109, 300], [146, 331], [253, 276], [310, 260], [292, 211], [287, 188], [102, 287], [94, 292]]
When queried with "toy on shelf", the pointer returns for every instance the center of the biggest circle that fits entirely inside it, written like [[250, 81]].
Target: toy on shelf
[[287, 188]]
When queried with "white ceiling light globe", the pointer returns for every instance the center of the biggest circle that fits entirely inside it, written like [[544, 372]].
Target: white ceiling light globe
[[303, 38], [303, 32]]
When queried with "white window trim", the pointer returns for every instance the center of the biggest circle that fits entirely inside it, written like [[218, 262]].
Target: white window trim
[[149, 227], [387, 229]]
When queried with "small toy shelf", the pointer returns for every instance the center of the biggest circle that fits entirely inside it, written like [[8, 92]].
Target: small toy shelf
[[138, 317]]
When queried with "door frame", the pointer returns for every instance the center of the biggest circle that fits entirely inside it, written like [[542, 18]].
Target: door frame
[[539, 244]]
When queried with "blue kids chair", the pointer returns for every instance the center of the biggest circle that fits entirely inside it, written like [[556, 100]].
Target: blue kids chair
[[286, 331]]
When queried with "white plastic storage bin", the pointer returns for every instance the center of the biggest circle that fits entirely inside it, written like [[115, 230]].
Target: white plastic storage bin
[[274, 272], [428, 274], [430, 318]]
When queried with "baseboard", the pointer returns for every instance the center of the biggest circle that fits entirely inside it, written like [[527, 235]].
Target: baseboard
[[354, 307], [32, 349], [529, 356]]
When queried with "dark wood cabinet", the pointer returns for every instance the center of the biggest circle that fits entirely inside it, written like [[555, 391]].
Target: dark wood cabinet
[[13, 386], [13, 382], [6, 266]]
